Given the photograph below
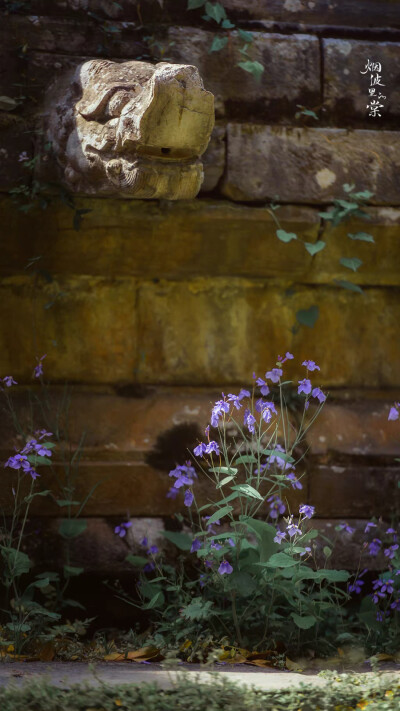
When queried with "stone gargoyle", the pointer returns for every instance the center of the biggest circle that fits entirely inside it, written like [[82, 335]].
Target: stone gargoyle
[[130, 129]]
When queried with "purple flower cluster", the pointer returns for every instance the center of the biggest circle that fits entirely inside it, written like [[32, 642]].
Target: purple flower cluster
[[9, 381], [185, 476], [382, 589], [122, 528], [20, 461], [307, 511], [394, 412], [38, 370]]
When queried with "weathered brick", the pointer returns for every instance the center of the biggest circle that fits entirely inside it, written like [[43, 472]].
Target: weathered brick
[[346, 89], [310, 165], [353, 489], [290, 77], [200, 332], [151, 239], [356, 427], [214, 159]]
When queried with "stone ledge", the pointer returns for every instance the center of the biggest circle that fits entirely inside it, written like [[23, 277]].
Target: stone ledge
[[268, 163]]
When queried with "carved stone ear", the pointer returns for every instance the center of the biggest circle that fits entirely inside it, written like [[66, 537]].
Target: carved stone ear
[[131, 129]]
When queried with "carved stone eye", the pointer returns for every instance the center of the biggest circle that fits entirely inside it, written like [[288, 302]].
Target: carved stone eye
[[118, 101]]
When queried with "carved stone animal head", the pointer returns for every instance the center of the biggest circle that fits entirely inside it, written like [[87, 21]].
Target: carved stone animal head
[[131, 129]]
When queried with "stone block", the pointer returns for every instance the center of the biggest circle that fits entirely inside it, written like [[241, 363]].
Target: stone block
[[352, 489], [346, 89], [380, 260], [356, 427], [200, 332], [365, 13], [310, 165], [291, 74], [158, 239], [214, 160]]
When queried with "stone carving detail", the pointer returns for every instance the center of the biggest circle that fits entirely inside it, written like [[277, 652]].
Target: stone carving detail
[[130, 129]]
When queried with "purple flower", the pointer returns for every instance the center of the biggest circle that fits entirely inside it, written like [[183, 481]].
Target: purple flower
[[266, 409], [184, 474], [216, 546], [382, 588], [172, 493], [280, 535], [391, 530], [304, 386], [23, 157], [374, 547], [196, 545], [369, 525], [18, 461], [288, 356], [356, 587], [317, 392], [391, 551], [149, 567], [293, 529], [310, 365], [225, 568], [153, 550], [307, 511], [294, 481], [307, 549], [276, 506], [263, 385], [274, 374], [144, 542], [188, 500], [34, 446], [41, 434], [212, 447], [122, 528], [380, 616], [237, 398], [32, 473], [395, 605], [201, 580], [231, 542], [249, 420], [219, 407], [394, 413], [346, 527], [38, 370], [9, 380], [208, 563], [207, 430], [200, 449]]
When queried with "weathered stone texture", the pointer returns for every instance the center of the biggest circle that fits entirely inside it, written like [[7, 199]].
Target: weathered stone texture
[[291, 75], [310, 165], [194, 333], [151, 239], [346, 89]]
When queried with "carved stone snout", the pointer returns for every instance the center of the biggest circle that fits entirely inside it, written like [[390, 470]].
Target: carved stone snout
[[131, 129]]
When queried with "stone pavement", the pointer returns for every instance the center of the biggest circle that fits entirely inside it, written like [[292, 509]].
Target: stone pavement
[[64, 674]]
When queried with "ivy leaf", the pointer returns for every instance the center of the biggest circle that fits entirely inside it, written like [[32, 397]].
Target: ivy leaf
[[216, 12], [362, 236], [70, 571], [254, 68], [352, 263], [306, 112], [218, 43], [227, 25], [348, 285], [194, 4], [314, 248], [308, 317], [245, 35], [348, 188], [285, 236], [364, 195]]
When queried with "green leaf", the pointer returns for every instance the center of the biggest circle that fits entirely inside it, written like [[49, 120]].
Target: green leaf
[[227, 25], [194, 4], [304, 622], [156, 600], [137, 561], [72, 527], [327, 551], [246, 459], [197, 609], [48, 445], [285, 236], [41, 583], [254, 68], [333, 576], [180, 540], [218, 43], [29, 498], [219, 514], [17, 561], [67, 502], [225, 500], [242, 582], [348, 285], [281, 560], [363, 195], [36, 459], [277, 452], [362, 236], [224, 470], [308, 317], [224, 481], [248, 491], [314, 248], [327, 215], [348, 188], [70, 571], [216, 12], [352, 263], [265, 533], [245, 35]]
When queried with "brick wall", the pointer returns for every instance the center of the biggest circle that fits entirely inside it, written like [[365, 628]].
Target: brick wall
[[152, 307]]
